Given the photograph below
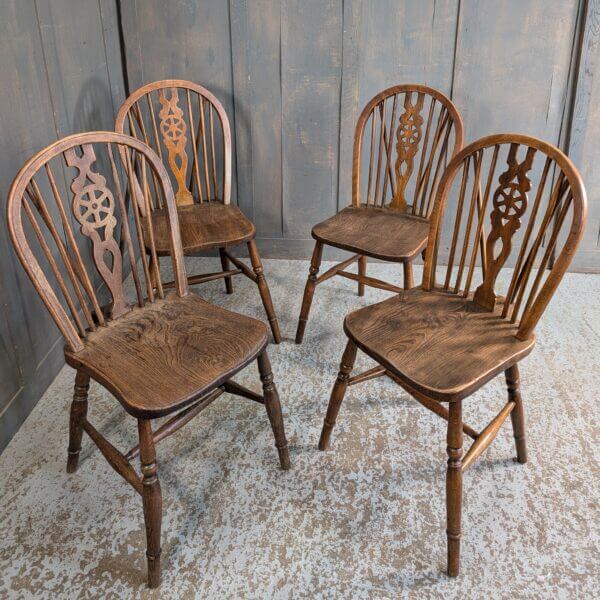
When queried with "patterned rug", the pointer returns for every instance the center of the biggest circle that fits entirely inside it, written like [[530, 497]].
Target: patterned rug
[[364, 520]]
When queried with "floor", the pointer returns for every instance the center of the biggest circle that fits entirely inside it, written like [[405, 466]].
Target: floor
[[364, 520]]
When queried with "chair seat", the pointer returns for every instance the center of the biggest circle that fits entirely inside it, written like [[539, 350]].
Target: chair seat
[[162, 357], [378, 232], [203, 226], [442, 345]]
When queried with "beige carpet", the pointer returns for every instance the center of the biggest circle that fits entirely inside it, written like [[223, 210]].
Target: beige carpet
[[365, 520]]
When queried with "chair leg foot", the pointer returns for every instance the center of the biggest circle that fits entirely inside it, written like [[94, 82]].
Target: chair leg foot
[[273, 407], [152, 501], [337, 394], [362, 270], [263, 289], [77, 418], [225, 267], [309, 290], [517, 416], [454, 487]]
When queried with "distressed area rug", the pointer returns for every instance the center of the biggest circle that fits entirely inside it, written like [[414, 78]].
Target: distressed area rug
[[364, 520]]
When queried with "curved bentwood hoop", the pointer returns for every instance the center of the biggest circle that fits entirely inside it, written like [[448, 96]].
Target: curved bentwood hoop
[[536, 204]]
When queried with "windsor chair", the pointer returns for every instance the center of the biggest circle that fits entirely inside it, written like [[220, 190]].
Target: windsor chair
[[186, 124], [159, 353], [406, 125], [443, 341]]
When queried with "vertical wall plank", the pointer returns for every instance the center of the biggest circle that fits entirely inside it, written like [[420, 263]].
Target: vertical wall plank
[[511, 66], [584, 146], [242, 102], [265, 114], [311, 53]]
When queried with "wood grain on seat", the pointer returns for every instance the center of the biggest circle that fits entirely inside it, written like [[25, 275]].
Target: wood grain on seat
[[204, 226], [440, 344], [163, 356], [372, 231]]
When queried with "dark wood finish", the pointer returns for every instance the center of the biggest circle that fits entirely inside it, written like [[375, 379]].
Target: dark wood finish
[[411, 132], [151, 500], [337, 393], [376, 232], [454, 484], [187, 125], [78, 417], [517, 415], [442, 342], [427, 339], [273, 406], [158, 353]]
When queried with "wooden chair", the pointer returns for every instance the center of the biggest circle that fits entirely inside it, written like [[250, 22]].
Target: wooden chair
[[443, 341], [412, 131], [159, 353], [186, 125]]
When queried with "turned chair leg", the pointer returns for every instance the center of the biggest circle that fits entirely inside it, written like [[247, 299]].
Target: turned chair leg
[[362, 270], [273, 407], [263, 289], [337, 393], [225, 267], [309, 290], [152, 501], [77, 418], [409, 282], [517, 415], [454, 486]]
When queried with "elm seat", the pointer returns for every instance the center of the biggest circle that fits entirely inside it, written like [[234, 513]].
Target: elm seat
[[439, 344], [160, 358], [379, 232], [203, 226]]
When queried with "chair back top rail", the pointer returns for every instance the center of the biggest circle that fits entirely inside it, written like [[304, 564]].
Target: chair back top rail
[[187, 127], [86, 203], [510, 198], [404, 138]]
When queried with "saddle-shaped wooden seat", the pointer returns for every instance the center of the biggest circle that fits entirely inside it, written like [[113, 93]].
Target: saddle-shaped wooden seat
[[160, 358], [439, 344], [203, 227], [382, 233]]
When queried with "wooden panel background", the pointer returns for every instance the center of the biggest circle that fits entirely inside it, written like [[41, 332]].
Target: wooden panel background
[[293, 76], [60, 73]]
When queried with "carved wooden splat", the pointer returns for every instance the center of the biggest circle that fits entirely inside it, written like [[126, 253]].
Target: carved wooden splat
[[408, 136], [174, 129], [94, 207], [509, 205]]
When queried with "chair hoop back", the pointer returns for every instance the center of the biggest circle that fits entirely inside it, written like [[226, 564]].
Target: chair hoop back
[[109, 206]]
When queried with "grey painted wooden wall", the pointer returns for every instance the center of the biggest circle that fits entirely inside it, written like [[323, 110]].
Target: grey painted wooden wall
[[293, 76], [60, 72]]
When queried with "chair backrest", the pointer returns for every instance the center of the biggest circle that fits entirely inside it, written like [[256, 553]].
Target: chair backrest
[[403, 140], [109, 208], [528, 188], [188, 128]]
